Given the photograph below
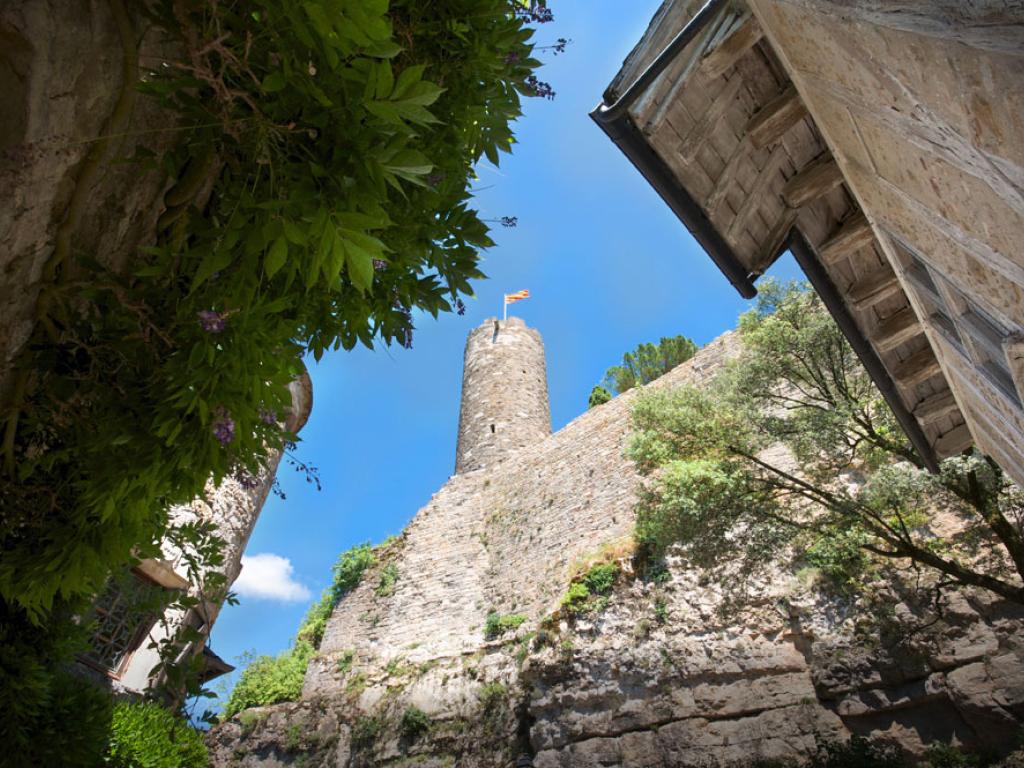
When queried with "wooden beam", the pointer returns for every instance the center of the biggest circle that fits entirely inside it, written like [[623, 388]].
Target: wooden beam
[[934, 407], [852, 235], [162, 573], [740, 39], [897, 329], [776, 117], [768, 173], [919, 367], [705, 126], [727, 178], [774, 240], [874, 289], [957, 440], [814, 180]]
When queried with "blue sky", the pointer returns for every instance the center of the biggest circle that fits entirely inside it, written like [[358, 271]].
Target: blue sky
[[608, 266]]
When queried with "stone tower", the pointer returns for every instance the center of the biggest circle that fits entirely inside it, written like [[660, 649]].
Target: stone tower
[[504, 393]]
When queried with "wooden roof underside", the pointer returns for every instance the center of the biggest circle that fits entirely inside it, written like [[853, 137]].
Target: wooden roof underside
[[727, 121]]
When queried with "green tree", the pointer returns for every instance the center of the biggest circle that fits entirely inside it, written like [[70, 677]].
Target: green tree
[[848, 492], [598, 396], [648, 362]]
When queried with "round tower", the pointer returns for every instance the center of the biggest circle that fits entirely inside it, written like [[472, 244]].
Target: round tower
[[504, 393]]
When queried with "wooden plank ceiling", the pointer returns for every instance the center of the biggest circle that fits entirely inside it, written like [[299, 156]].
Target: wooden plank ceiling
[[733, 129]]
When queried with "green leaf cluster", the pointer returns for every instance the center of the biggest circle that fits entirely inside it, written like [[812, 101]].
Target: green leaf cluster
[[791, 451], [388, 577], [497, 624], [589, 591], [270, 679], [146, 735], [598, 396], [347, 574], [50, 716], [320, 194], [414, 723], [645, 364]]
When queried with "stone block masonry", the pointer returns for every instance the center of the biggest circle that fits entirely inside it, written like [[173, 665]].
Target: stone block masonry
[[663, 676], [501, 538], [504, 393]]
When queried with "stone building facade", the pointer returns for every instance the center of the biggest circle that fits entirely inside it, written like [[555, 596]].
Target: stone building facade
[[660, 677], [883, 145]]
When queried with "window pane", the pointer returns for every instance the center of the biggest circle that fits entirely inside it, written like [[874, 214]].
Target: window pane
[[123, 615]]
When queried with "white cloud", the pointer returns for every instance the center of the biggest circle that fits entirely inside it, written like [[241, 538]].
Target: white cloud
[[269, 577]]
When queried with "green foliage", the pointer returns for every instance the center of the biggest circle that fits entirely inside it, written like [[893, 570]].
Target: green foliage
[[50, 717], [321, 194], [600, 578], [598, 396], [661, 610], [146, 735], [645, 364], [388, 577], [345, 662], [576, 598], [356, 683], [365, 731], [589, 591], [498, 624], [271, 679], [945, 756], [414, 723], [862, 496], [491, 695], [347, 573]]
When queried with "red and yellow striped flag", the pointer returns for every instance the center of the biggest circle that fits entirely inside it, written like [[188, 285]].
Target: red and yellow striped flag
[[517, 296]]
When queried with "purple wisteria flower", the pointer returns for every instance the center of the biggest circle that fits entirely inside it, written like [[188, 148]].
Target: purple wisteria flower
[[434, 179], [540, 88], [512, 58], [379, 265], [212, 322], [268, 416], [224, 429]]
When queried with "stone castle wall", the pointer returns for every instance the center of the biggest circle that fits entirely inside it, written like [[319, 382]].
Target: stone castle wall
[[662, 677], [504, 393], [500, 539]]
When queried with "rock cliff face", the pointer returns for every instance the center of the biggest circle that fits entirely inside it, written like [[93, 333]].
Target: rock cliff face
[[660, 676], [71, 117]]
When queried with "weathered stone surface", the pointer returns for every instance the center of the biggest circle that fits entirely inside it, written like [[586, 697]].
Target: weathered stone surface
[[504, 393], [663, 676], [61, 73]]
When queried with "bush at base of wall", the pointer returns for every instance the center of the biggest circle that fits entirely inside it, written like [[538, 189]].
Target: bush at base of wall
[[145, 735]]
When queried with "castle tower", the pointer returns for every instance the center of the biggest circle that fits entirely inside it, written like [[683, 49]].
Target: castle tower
[[504, 393]]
